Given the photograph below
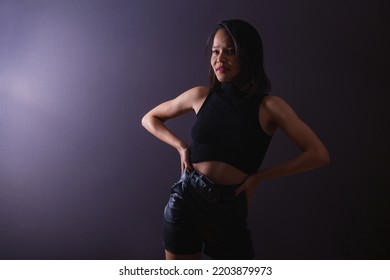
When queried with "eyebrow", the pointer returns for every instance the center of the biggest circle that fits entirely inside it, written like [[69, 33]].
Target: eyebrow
[[218, 46]]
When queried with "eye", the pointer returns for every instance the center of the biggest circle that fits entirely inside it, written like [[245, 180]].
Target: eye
[[215, 52], [231, 51]]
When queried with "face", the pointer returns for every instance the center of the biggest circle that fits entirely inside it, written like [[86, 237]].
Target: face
[[223, 57]]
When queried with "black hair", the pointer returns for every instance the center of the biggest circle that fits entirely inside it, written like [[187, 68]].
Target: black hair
[[249, 50]]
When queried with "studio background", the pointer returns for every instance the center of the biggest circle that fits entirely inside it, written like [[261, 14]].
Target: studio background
[[81, 179]]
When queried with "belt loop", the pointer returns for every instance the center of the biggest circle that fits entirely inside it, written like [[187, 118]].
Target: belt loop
[[185, 176]]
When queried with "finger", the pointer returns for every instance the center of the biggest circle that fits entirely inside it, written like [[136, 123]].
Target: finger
[[239, 190], [188, 166]]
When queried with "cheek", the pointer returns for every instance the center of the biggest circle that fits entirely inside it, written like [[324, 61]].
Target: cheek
[[237, 65], [212, 61]]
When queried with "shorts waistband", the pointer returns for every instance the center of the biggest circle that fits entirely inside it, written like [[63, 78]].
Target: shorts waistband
[[199, 180]]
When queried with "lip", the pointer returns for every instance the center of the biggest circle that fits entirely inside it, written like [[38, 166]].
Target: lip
[[221, 69]]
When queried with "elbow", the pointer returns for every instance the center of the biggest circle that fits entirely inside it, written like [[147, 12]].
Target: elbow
[[323, 157], [317, 157], [145, 121], [149, 122]]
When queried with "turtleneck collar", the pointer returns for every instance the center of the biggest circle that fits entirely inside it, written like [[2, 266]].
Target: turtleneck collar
[[232, 89]]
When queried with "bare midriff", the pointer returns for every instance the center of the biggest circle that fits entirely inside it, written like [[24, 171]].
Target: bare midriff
[[220, 173]]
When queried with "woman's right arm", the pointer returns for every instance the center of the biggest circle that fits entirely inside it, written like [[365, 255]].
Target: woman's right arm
[[154, 120]]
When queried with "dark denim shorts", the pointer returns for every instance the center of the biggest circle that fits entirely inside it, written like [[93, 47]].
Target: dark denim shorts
[[201, 215]]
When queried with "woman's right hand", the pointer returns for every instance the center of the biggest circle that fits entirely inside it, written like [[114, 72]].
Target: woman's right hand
[[185, 159]]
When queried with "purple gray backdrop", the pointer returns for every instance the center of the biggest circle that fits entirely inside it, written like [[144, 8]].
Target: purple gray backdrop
[[81, 179]]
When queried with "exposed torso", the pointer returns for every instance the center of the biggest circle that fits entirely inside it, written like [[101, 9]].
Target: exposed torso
[[220, 172]]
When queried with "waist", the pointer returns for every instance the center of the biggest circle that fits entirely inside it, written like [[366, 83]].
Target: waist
[[201, 181], [208, 189], [220, 172], [243, 158]]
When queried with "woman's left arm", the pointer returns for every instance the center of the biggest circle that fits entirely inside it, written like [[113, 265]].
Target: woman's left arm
[[279, 114]]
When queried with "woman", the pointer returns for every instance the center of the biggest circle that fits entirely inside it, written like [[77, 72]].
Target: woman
[[235, 120]]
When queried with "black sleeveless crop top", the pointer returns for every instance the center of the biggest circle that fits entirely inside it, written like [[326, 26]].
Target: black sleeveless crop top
[[227, 129]]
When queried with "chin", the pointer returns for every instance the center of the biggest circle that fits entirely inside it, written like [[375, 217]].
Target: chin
[[223, 79]]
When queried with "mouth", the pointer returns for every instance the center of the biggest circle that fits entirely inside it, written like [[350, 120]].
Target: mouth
[[221, 69]]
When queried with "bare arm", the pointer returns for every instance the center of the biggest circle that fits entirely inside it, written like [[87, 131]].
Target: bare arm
[[154, 120], [279, 114]]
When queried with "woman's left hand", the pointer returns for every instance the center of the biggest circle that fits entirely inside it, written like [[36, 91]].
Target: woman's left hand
[[248, 186]]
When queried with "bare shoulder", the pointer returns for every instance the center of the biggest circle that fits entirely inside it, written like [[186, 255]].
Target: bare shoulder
[[276, 112], [189, 100], [277, 107], [195, 93], [273, 102], [195, 96]]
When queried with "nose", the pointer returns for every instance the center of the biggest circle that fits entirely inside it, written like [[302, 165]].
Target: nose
[[221, 57]]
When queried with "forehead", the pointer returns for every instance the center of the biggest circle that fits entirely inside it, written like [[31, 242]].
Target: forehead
[[222, 38]]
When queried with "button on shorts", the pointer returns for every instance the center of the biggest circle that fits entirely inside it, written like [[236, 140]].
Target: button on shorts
[[203, 216]]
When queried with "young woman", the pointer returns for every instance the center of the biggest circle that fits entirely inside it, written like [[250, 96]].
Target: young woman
[[235, 120]]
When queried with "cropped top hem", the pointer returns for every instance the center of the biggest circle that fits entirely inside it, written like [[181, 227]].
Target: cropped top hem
[[248, 165]]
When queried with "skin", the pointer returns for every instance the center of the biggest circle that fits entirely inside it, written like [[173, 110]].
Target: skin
[[274, 114], [223, 57]]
